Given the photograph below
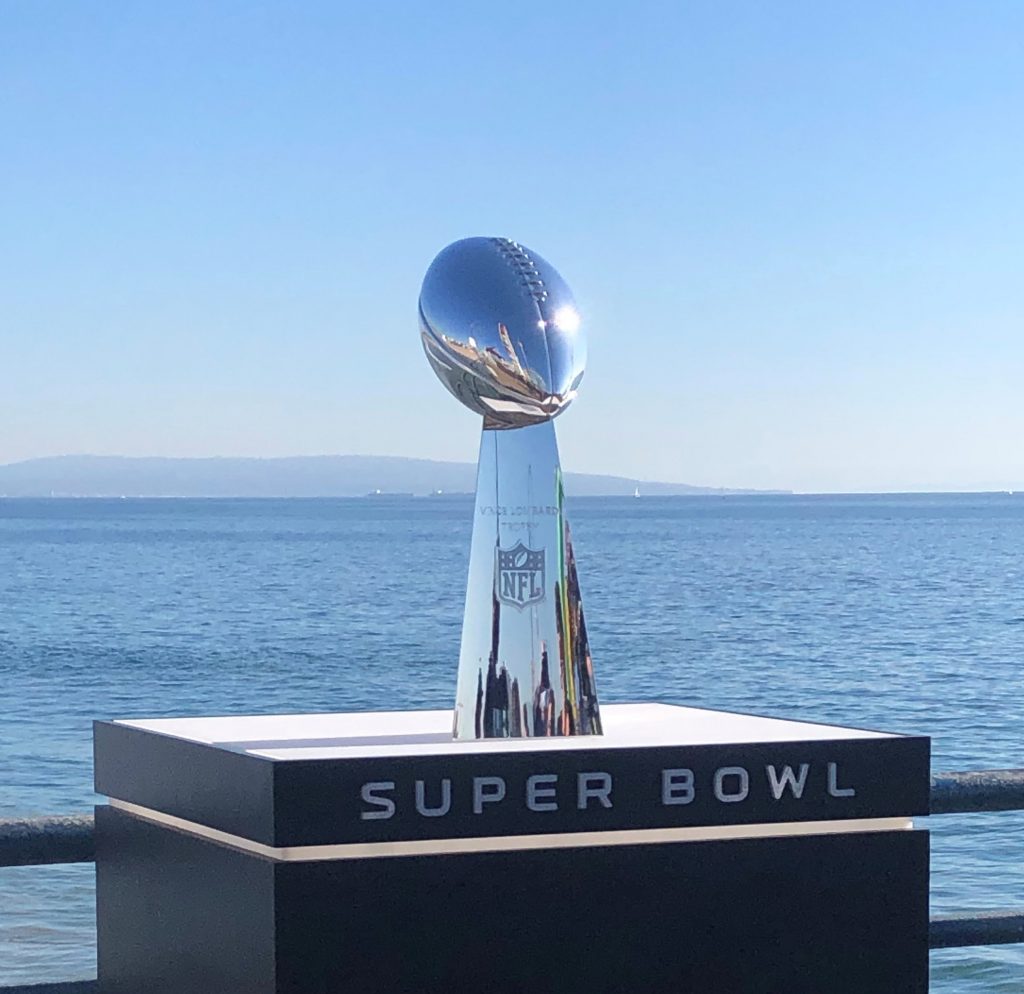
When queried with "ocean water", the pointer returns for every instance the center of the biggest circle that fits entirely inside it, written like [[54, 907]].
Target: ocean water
[[904, 613]]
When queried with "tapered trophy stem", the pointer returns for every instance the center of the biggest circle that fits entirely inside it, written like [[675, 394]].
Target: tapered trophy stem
[[524, 666]]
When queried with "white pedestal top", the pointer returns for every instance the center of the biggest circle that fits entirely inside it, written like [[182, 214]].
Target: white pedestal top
[[428, 733]]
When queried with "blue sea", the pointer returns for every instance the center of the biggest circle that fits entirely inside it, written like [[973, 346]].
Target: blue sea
[[904, 613]]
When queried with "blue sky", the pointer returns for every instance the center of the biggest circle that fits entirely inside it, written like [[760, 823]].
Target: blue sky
[[795, 230]]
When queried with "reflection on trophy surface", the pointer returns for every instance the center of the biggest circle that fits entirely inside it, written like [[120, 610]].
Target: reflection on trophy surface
[[501, 330]]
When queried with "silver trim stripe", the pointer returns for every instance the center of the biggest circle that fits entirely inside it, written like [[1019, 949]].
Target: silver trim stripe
[[511, 843]]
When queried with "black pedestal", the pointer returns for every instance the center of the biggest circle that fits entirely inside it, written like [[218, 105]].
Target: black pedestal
[[685, 851]]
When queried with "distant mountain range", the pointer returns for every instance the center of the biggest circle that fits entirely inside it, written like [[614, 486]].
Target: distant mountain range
[[292, 476]]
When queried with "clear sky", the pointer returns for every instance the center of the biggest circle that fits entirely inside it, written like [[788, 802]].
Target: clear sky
[[795, 230]]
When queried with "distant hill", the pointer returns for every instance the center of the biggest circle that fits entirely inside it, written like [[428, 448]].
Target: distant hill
[[292, 476]]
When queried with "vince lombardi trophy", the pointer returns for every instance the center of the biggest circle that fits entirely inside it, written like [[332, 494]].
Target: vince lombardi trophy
[[502, 332]]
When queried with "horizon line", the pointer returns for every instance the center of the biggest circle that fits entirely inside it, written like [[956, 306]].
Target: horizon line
[[745, 490]]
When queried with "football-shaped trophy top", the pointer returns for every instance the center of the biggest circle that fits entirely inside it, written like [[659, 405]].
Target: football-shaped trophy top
[[501, 330]]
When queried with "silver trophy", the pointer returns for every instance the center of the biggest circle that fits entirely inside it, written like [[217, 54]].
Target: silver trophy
[[501, 330]]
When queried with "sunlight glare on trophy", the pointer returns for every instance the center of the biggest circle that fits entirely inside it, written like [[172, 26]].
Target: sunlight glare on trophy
[[502, 331]]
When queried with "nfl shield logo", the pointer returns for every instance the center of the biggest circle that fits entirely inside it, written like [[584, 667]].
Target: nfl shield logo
[[520, 575]]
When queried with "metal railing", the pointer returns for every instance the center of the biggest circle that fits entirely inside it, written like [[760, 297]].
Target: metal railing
[[43, 841], [69, 839], [69, 987]]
